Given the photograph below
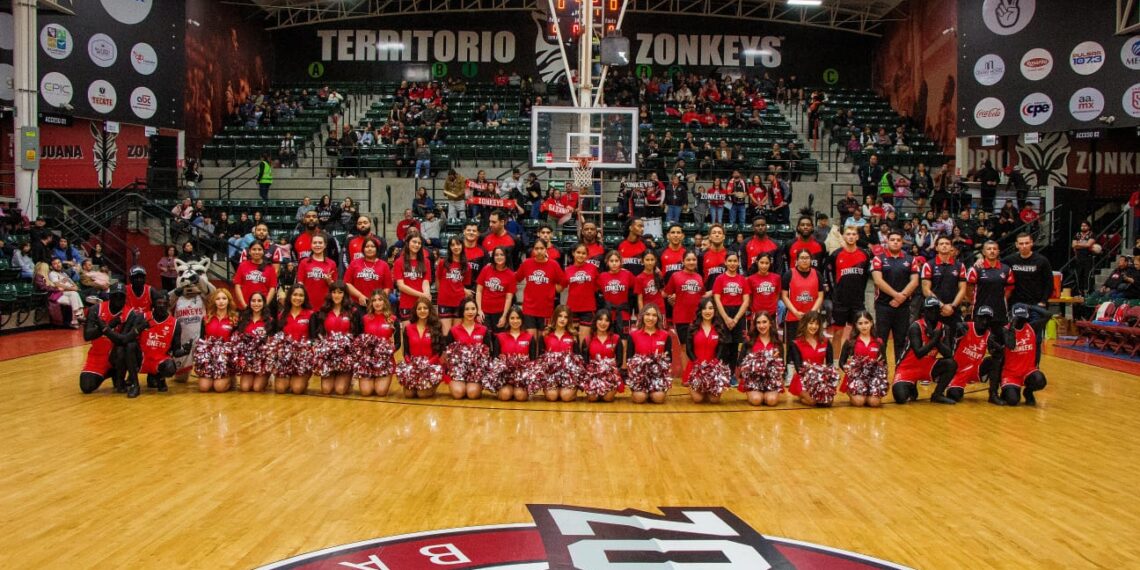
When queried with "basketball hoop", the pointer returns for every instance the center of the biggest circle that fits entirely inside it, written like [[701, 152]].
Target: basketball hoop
[[582, 175]]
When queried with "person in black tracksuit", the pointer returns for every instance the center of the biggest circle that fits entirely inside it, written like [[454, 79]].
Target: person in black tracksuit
[[1032, 283], [944, 277], [895, 273], [992, 281]]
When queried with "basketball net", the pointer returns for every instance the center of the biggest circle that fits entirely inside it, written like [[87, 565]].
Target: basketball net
[[583, 175]]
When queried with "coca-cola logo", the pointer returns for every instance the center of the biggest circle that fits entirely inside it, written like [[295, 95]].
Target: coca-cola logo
[[989, 113]]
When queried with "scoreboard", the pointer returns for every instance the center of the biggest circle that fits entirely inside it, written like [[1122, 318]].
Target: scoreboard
[[570, 18]]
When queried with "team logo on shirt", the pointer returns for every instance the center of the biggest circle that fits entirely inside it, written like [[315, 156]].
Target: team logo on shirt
[[255, 277], [538, 277], [367, 274], [495, 284], [805, 297], [614, 287], [691, 286], [316, 273], [765, 288], [858, 270], [564, 536], [413, 274], [454, 275], [579, 277], [733, 288]]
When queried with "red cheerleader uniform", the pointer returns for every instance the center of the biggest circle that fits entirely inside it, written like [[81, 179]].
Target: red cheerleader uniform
[[615, 288], [378, 326], [510, 344], [808, 355], [645, 343], [689, 288], [312, 275], [554, 343], [419, 343], [297, 327], [99, 355], [1020, 359], [474, 336], [704, 347], [599, 348], [155, 343], [219, 327], [341, 323], [969, 354], [872, 350], [912, 368]]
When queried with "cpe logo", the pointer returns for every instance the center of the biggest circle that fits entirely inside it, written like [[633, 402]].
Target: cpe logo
[[128, 11], [143, 103], [56, 41], [1130, 53], [1007, 17], [101, 96], [1087, 58], [1036, 64], [56, 89], [989, 69], [1131, 101], [989, 112], [1036, 108], [102, 50], [143, 58], [1086, 104]]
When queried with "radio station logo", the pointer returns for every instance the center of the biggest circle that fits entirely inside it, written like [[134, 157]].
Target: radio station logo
[[1130, 53], [1087, 58], [1007, 17], [1036, 64], [989, 69], [1131, 101], [1036, 108], [1086, 104], [56, 41], [102, 50], [989, 112], [128, 11], [55, 88], [143, 103], [564, 536], [143, 58], [101, 96]]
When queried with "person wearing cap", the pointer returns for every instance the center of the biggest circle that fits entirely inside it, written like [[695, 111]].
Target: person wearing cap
[[926, 341], [974, 342], [112, 328], [1020, 359], [139, 295]]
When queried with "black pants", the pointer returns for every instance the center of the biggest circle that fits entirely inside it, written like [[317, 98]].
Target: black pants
[[892, 321], [1012, 394], [988, 195]]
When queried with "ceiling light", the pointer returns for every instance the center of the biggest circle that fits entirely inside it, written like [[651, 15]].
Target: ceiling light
[[805, 2]]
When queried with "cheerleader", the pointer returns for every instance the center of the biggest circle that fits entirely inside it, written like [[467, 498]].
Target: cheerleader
[[377, 340], [707, 375], [452, 273], [254, 326], [317, 272], [648, 286], [926, 340], [517, 349], [581, 290], [423, 342], [495, 290], [368, 273], [331, 333], [412, 276], [650, 363], [684, 291], [974, 340], [468, 367], [864, 360], [1019, 373], [212, 360], [289, 359], [731, 297], [811, 355], [764, 286], [762, 369], [560, 365], [616, 285], [604, 353], [542, 280]]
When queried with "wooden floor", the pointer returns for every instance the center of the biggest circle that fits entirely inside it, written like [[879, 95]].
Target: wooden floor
[[188, 480]]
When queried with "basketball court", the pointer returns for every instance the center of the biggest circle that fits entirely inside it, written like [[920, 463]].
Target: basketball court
[[189, 480]]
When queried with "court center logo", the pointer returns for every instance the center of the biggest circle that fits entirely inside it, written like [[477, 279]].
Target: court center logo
[[989, 69], [1086, 104], [1130, 53], [56, 41], [1087, 58], [989, 112], [1007, 17], [1036, 108], [1036, 64], [566, 537], [102, 50]]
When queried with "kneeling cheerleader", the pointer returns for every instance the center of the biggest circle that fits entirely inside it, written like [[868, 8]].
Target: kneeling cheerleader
[[816, 378], [604, 352], [332, 341], [375, 345], [864, 363], [762, 368], [253, 329], [421, 372], [517, 351], [649, 366], [289, 352], [558, 371], [213, 355], [468, 355], [707, 375]]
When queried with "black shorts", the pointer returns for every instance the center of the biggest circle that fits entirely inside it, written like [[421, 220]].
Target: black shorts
[[533, 322], [843, 315], [406, 314], [584, 319], [449, 312], [491, 321]]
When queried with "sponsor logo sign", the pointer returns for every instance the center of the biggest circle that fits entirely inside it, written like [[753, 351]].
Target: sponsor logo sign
[[1036, 108], [56, 41], [1087, 58], [1131, 101], [56, 89], [989, 112], [1130, 53], [128, 11], [1086, 104], [1007, 17], [102, 50], [101, 96], [1036, 64], [143, 103], [989, 69], [143, 58]]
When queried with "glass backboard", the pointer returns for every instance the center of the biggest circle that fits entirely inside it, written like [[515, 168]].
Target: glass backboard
[[560, 134]]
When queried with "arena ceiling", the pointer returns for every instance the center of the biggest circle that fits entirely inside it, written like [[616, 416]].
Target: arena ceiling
[[857, 16]]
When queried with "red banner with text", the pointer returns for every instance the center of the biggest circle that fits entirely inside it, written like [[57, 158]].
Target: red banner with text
[[85, 156]]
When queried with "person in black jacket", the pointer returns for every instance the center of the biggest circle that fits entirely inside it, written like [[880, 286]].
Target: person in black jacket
[[676, 198], [869, 176], [988, 177], [1032, 282]]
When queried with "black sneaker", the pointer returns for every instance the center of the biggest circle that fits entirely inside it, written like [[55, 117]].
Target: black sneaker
[[1030, 399], [995, 400], [941, 399], [133, 390]]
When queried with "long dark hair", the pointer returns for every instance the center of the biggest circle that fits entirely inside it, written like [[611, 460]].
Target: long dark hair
[[773, 330], [407, 255], [433, 325], [658, 281], [717, 323], [446, 260], [374, 241], [283, 313], [506, 257], [346, 304], [246, 315]]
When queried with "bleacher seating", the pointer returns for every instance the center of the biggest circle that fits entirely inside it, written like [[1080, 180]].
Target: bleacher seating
[[238, 143], [871, 110]]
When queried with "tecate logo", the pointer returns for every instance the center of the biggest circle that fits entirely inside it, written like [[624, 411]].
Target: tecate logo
[[1036, 108]]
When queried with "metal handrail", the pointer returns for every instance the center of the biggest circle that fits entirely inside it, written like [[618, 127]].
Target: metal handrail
[[86, 226], [1120, 220]]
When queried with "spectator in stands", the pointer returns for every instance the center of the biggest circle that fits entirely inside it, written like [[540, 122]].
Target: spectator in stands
[[69, 256], [423, 159], [899, 139], [95, 283], [847, 207], [856, 219], [326, 211], [189, 252], [367, 138], [287, 152], [347, 149], [348, 213], [534, 195], [332, 151], [22, 260], [1028, 214], [97, 256], [495, 116], [422, 203], [478, 117], [409, 222], [676, 197], [882, 139], [1133, 279], [168, 269], [870, 174], [853, 147], [792, 159], [430, 228], [1115, 286], [921, 185], [438, 135], [1009, 209], [988, 177], [305, 207], [192, 177], [455, 192], [68, 291]]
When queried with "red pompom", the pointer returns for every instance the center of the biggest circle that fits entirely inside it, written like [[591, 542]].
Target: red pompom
[[515, 367], [419, 373], [602, 377], [372, 356], [555, 370], [710, 377], [249, 353], [332, 354], [287, 356], [820, 382], [213, 358], [866, 377], [466, 362], [649, 373], [761, 371]]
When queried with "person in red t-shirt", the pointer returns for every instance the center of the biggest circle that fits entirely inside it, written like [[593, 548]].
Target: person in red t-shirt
[[684, 290], [764, 285], [368, 273], [731, 296], [542, 280], [494, 290], [451, 273], [412, 275], [581, 291], [409, 222], [616, 286], [316, 272], [255, 275], [499, 237], [1028, 215], [649, 286]]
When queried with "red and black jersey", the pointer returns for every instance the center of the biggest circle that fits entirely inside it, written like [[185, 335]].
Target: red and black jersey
[[595, 255], [607, 348], [156, 340], [849, 271], [991, 283], [712, 265], [755, 247], [971, 347], [911, 367], [671, 260], [1020, 359], [142, 301], [803, 289], [896, 270], [811, 245], [581, 288], [944, 276], [419, 343], [476, 259], [490, 241], [631, 253]]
